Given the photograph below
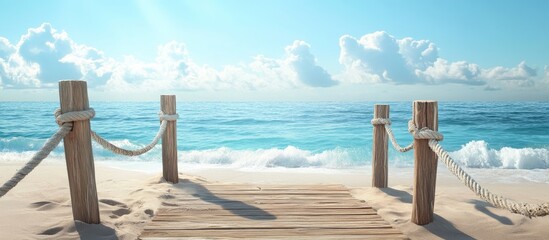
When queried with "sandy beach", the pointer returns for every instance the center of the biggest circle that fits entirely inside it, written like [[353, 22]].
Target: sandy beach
[[39, 207]]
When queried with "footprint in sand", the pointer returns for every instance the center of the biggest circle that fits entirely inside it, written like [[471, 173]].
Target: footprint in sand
[[44, 205], [51, 231], [122, 210], [169, 204], [167, 196], [111, 202], [149, 212]]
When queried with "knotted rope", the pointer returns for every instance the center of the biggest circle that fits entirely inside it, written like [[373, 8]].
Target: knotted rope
[[423, 133], [387, 123], [117, 150], [65, 122], [67, 117]]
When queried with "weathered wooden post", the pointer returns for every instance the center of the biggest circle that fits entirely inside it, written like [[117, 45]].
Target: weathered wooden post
[[379, 148], [169, 141], [425, 114], [73, 96]]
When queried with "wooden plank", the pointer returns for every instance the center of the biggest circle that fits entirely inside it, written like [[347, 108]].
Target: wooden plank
[[264, 225], [280, 218], [280, 190], [267, 191], [297, 232], [260, 197], [324, 237], [274, 186], [261, 193], [259, 212], [272, 201], [243, 206]]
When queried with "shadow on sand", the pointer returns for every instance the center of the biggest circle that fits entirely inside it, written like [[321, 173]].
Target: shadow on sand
[[94, 231], [445, 229], [483, 207], [236, 207], [402, 196]]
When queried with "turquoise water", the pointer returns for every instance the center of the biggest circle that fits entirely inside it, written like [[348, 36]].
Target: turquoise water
[[293, 135]]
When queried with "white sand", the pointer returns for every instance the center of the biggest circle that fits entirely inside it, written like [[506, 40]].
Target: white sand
[[39, 207]]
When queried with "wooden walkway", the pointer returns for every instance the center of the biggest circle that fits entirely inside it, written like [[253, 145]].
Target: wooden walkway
[[215, 211]]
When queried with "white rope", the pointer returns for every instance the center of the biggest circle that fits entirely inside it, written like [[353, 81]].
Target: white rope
[[387, 123], [423, 133], [526, 209], [117, 150], [61, 118], [65, 122]]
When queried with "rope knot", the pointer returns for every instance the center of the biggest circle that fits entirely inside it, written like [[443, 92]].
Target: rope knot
[[423, 133], [168, 117], [381, 121], [73, 116]]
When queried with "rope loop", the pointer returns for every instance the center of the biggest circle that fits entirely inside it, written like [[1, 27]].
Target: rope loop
[[73, 116], [381, 121], [423, 133], [168, 117]]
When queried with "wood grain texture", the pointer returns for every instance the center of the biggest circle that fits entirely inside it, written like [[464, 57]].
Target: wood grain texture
[[425, 114], [202, 211], [169, 141], [73, 96], [380, 149]]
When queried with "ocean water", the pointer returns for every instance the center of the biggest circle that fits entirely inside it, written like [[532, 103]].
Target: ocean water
[[319, 135]]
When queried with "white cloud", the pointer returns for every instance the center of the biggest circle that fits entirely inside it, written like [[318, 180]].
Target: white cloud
[[6, 49], [44, 55], [374, 57], [455, 72], [304, 64], [380, 57]]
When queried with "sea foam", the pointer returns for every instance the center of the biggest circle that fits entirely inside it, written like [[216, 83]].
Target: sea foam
[[478, 154], [475, 154]]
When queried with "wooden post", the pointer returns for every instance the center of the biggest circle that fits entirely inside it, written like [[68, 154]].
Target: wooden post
[[169, 141], [425, 114], [379, 149], [73, 96]]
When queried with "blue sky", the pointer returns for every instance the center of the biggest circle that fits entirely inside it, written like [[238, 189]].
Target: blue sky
[[277, 50]]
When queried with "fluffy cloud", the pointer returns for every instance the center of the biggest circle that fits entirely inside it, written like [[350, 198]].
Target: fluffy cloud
[[44, 55], [304, 64], [380, 57], [173, 68], [374, 57], [455, 72]]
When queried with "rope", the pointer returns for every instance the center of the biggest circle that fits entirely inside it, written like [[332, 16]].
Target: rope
[[387, 123], [61, 118], [423, 133], [65, 122], [117, 150], [526, 209]]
